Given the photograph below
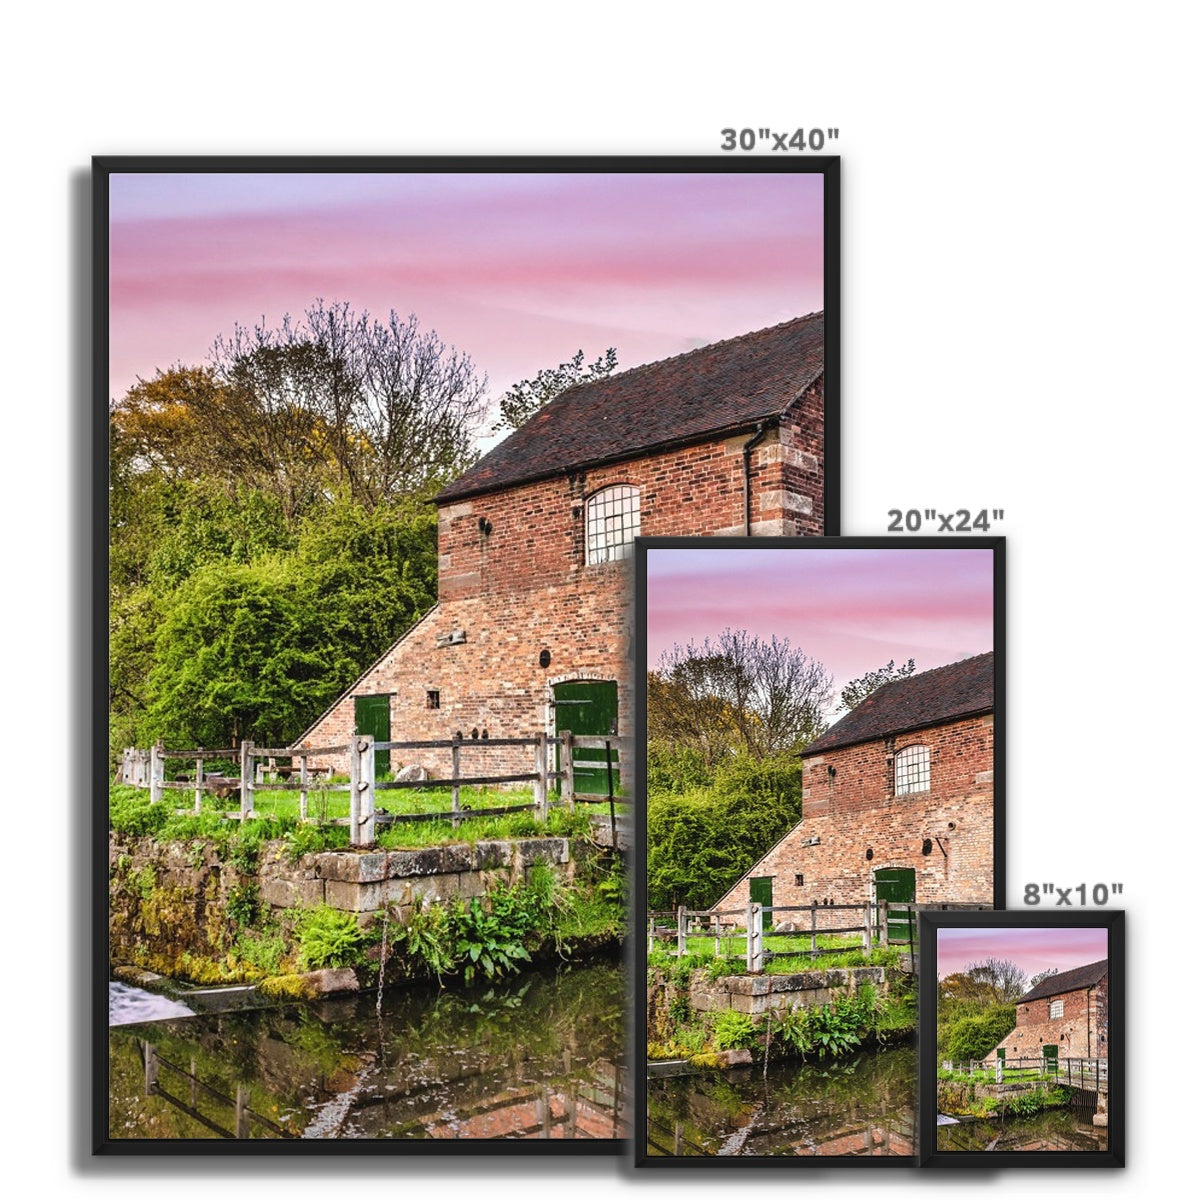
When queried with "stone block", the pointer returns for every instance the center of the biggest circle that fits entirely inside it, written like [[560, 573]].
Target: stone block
[[747, 985], [541, 850], [837, 977], [471, 883], [398, 891], [457, 858], [354, 897], [285, 893], [734, 1058], [402, 864], [331, 982], [491, 855], [709, 1001]]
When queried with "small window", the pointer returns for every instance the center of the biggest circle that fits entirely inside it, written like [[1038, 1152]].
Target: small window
[[433, 698], [912, 770], [614, 518], [1056, 1009]]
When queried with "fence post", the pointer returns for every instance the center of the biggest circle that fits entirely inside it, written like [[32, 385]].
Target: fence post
[[812, 925], [199, 783], [681, 931], [247, 793], [867, 928], [754, 938], [362, 790], [304, 787], [455, 773], [156, 772], [539, 784], [566, 759]]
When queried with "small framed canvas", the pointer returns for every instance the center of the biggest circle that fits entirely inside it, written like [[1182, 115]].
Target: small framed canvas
[[1022, 1039]]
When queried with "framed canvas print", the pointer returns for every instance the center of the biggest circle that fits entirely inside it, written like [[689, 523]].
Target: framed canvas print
[[380, 434], [823, 762], [1023, 1038]]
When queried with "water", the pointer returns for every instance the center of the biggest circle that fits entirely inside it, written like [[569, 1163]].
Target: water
[[129, 1005], [864, 1105], [1054, 1129], [537, 1057]]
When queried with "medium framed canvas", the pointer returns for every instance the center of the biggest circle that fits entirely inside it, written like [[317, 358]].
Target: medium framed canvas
[[824, 755], [380, 435], [1023, 1039]]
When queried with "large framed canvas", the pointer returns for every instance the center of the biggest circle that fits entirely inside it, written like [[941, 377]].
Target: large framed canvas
[[1023, 1038], [380, 434], [823, 733]]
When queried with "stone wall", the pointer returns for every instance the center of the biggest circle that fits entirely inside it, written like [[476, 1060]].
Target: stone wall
[[169, 899], [756, 994]]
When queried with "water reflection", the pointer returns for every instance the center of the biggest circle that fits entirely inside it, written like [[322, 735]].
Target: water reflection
[[540, 1057], [1055, 1129], [865, 1105]]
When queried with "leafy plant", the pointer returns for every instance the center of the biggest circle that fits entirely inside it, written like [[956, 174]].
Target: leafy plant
[[243, 903], [486, 942], [424, 944], [734, 1031], [329, 938]]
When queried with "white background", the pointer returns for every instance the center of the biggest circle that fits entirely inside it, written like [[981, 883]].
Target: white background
[[1019, 315]]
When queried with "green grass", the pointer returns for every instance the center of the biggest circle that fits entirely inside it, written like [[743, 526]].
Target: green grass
[[277, 815], [733, 959]]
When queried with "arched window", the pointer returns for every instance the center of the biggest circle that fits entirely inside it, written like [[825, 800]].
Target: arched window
[[912, 770], [614, 517]]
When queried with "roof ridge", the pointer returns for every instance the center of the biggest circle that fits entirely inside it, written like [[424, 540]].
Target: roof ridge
[[658, 362]]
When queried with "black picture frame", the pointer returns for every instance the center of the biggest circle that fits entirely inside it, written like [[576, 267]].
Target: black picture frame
[[1031, 920], [995, 546], [104, 167]]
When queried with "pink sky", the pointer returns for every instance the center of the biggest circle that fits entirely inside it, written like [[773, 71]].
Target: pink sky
[[852, 609], [518, 271], [1033, 950]]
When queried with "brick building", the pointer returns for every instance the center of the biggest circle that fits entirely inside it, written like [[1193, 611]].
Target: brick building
[[532, 628], [898, 801], [1065, 1016]]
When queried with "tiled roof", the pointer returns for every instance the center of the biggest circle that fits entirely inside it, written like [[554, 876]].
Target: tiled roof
[[947, 693], [717, 389], [1067, 981]]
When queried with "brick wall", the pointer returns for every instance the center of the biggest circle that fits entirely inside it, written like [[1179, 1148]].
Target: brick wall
[[513, 576], [1081, 1031], [853, 824]]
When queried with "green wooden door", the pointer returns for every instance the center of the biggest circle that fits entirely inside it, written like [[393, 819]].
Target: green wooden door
[[897, 885], [1050, 1054], [760, 893], [588, 708], [373, 715]]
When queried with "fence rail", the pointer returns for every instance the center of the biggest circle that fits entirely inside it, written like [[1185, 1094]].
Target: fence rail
[[148, 769], [1088, 1074], [876, 923]]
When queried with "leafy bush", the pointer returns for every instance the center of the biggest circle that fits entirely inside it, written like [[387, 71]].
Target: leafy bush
[[130, 812], [734, 1031], [328, 938], [490, 941], [975, 1037]]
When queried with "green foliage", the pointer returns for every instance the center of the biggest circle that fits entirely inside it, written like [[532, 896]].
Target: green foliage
[[489, 940], [130, 812], [261, 949], [425, 945], [243, 905], [524, 399], [976, 1036], [671, 767], [857, 690], [734, 1031], [328, 938], [700, 842]]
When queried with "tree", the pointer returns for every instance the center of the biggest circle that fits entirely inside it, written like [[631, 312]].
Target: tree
[[1003, 976], [768, 696], [379, 407], [857, 690], [523, 399], [1040, 976]]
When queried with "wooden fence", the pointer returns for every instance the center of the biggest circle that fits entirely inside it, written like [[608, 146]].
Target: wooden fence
[[301, 772], [872, 922], [1087, 1074]]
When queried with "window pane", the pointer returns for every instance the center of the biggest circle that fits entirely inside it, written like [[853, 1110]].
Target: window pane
[[912, 770], [614, 517]]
